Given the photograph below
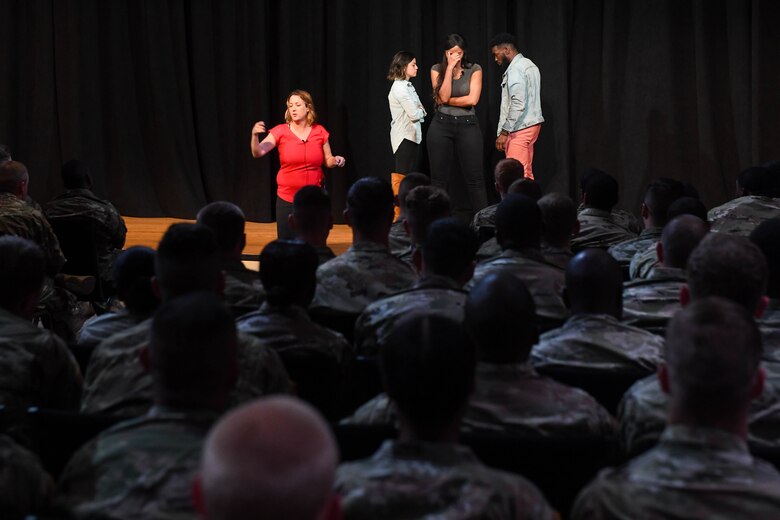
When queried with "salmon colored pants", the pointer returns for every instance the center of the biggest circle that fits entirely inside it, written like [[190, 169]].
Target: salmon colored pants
[[520, 146]]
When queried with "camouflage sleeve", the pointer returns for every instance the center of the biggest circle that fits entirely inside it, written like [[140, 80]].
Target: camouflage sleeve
[[25, 487], [60, 375], [261, 371], [78, 480], [587, 506]]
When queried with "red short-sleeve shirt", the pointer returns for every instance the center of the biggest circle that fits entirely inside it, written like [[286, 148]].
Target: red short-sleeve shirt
[[300, 161]]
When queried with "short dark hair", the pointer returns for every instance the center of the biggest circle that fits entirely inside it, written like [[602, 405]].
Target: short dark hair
[[756, 181], [527, 187], [506, 172], [687, 206], [187, 260], [401, 60], [226, 220], [75, 174], [12, 174], [309, 204], [427, 367], [503, 38], [767, 237], [288, 270], [133, 271], [449, 247], [22, 269], [518, 222], [680, 237], [424, 205], [410, 182], [728, 266], [370, 204], [559, 214], [660, 194], [594, 280], [601, 191]]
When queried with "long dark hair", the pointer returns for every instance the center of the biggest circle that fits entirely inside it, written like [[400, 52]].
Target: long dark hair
[[449, 42]]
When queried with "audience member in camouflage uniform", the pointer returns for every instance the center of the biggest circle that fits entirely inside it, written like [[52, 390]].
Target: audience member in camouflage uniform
[[560, 223], [428, 371], [622, 217], [446, 260], [243, 289], [505, 173], [650, 304], [79, 201], [519, 230], [132, 274], [423, 204], [143, 468], [311, 220], [702, 467], [753, 205], [594, 339], [398, 238], [187, 261], [25, 487], [597, 226], [283, 471], [367, 271]]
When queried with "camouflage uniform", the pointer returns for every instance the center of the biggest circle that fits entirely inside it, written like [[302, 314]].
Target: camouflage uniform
[[642, 263], [25, 487], [598, 229], [484, 218], [545, 281], [139, 469], [513, 398], [110, 227], [365, 273], [557, 255], [116, 382], [598, 342], [769, 324], [694, 472], [488, 249], [625, 251], [431, 294], [434, 480], [287, 327], [741, 215], [622, 218], [243, 287], [398, 238], [650, 304], [19, 219], [98, 328]]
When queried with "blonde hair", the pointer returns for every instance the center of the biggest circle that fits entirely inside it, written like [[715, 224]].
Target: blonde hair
[[311, 117]]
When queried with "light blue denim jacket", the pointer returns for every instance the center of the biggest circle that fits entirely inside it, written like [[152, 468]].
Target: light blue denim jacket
[[521, 104]]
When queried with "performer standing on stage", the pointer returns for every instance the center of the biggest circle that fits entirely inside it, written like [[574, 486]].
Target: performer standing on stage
[[521, 105], [407, 112], [454, 134], [303, 148]]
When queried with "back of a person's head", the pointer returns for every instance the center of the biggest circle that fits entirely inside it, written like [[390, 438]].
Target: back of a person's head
[[427, 367], [133, 271], [227, 221], [601, 191], [767, 237], [713, 348], [500, 316], [659, 196], [274, 458], [680, 237], [506, 172], [755, 180], [687, 206], [518, 222], [449, 248], [370, 204], [192, 351], [410, 182], [594, 283], [528, 187], [311, 207], [22, 268], [188, 259], [75, 175], [424, 205], [559, 215], [12, 174], [288, 270], [728, 266]]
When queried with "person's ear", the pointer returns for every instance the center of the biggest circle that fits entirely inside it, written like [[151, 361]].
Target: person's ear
[[663, 377], [643, 209], [685, 295]]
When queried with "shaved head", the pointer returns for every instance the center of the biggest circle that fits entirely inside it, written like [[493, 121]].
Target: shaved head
[[274, 458], [680, 237], [12, 175], [594, 283]]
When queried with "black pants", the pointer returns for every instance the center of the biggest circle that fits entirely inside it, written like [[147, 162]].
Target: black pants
[[283, 210], [457, 140], [406, 157]]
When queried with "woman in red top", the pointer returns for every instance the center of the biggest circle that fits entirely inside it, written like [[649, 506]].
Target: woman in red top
[[303, 148]]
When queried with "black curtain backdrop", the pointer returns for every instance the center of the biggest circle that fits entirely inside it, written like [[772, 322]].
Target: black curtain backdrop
[[159, 96]]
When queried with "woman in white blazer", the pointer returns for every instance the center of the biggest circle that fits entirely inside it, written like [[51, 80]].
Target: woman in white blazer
[[406, 111]]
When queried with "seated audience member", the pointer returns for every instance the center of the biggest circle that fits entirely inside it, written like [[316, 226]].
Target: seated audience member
[[753, 204], [274, 458], [143, 468], [311, 220], [288, 270], [598, 228], [242, 286], [25, 487], [559, 217], [445, 261], [701, 467], [398, 238], [505, 173], [519, 232], [659, 195], [188, 260], [367, 271], [643, 262], [37, 367], [428, 372], [79, 201], [424, 204], [623, 218], [650, 303], [509, 396], [593, 338], [730, 267], [132, 274]]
